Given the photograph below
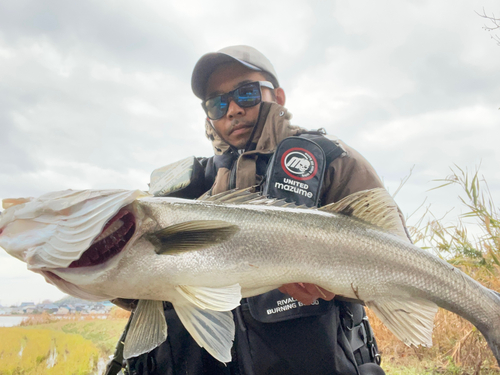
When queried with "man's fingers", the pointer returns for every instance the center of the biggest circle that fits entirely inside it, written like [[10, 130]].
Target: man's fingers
[[298, 292], [319, 292]]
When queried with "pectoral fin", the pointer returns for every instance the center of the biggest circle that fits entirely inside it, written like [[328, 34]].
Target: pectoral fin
[[212, 330], [411, 320], [148, 329], [191, 235]]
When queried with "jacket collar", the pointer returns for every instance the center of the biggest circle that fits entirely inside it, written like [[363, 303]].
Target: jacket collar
[[273, 125]]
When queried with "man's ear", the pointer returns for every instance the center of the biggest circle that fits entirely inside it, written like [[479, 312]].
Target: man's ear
[[280, 96]]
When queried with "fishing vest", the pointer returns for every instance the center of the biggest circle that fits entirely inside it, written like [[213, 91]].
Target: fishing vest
[[295, 173]]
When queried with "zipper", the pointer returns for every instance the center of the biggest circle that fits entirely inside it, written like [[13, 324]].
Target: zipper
[[232, 176]]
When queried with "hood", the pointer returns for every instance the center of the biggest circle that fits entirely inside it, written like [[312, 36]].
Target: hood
[[273, 125]]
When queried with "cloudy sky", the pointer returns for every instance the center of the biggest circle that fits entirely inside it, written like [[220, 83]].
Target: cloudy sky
[[96, 94]]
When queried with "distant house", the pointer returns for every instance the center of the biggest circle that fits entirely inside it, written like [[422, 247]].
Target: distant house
[[27, 308], [16, 310], [50, 308], [62, 311]]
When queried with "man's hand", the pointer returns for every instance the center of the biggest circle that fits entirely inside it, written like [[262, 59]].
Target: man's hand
[[306, 293]]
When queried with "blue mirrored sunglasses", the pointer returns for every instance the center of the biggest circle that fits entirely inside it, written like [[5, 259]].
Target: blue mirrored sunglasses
[[245, 96]]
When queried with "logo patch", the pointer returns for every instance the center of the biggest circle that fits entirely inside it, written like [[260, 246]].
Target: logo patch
[[299, 164]]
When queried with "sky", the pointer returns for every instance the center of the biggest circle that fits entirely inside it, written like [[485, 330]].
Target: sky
[[97, 94]]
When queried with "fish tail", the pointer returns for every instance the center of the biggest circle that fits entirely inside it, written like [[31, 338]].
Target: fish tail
[[492, 332], [493, 339]]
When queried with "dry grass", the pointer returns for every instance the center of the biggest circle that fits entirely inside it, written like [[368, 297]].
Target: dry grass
[[42, 351], [43, 318], [119, 313], [458, 347]]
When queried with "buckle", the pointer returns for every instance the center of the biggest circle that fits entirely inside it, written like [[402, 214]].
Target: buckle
[[370, 342], [347, 313], [368, 329], [375, 355]]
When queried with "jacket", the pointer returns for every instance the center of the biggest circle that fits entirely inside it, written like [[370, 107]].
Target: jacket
[[347, 174]]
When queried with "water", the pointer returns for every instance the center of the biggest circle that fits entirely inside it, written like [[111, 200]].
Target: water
[[10, 321]]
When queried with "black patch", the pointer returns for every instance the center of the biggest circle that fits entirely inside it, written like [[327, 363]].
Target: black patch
[[296, 172], [274, 306]]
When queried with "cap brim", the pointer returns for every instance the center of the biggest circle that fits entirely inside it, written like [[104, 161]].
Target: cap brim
[[206, 66]]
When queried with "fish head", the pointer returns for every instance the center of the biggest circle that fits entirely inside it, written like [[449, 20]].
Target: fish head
[[67, 231]]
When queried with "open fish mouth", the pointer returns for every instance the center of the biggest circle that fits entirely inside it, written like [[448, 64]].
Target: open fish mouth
[[113, 238]]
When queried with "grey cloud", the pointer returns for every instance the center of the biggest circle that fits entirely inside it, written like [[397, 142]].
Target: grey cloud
[[443, 80], [124, 34]]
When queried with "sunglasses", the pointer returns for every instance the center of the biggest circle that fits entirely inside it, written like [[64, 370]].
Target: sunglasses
[[245, 96]]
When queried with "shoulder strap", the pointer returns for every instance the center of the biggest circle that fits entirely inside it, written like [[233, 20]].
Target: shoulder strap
[[332, 148]]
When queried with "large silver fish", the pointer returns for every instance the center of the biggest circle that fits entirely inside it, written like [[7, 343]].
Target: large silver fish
[[204, 256]]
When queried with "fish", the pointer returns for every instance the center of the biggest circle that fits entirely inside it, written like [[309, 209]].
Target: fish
[[205, 255]]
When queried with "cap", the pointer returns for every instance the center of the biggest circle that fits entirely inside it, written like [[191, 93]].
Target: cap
[[245, 55]]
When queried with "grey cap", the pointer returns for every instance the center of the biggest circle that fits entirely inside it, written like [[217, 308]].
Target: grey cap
[[245, 55]]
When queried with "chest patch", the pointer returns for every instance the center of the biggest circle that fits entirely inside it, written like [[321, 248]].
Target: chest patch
[[296, 171]]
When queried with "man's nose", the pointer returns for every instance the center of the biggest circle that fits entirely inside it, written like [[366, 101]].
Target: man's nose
[[234, 110]]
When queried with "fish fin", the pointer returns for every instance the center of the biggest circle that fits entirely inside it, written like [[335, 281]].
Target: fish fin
[[241, 194], [172, 177], [492, 338], [248, 196], [10, 202], [217, 299], [374, 206], [491, 329], [411, 320], [212, 330], [191, 235], [148, 329]]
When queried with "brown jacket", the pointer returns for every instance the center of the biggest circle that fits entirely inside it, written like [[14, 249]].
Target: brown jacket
[[347, 174]]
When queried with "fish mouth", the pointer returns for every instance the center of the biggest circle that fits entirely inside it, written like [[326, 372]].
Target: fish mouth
[[113, 238]]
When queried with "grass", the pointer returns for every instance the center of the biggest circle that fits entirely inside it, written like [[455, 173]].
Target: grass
[[43, 351], [79, 344], [473, 245], [104, 334]]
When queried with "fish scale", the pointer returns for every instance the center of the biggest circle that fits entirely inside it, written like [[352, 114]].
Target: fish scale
[[204, 256]]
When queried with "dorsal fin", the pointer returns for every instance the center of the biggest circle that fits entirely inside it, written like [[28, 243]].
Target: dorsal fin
[[247, 196], [374, 206]]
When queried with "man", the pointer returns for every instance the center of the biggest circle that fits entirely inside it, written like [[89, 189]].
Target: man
[[247, 123]]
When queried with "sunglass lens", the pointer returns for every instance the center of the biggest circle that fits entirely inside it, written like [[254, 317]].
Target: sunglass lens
[[245, 96], [216, 107], [248, 96]]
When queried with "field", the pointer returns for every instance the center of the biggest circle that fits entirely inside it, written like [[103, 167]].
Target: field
[[78, 347]]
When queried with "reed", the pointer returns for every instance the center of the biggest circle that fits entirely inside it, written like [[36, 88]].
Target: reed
[[42, 351], [473, 245]]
